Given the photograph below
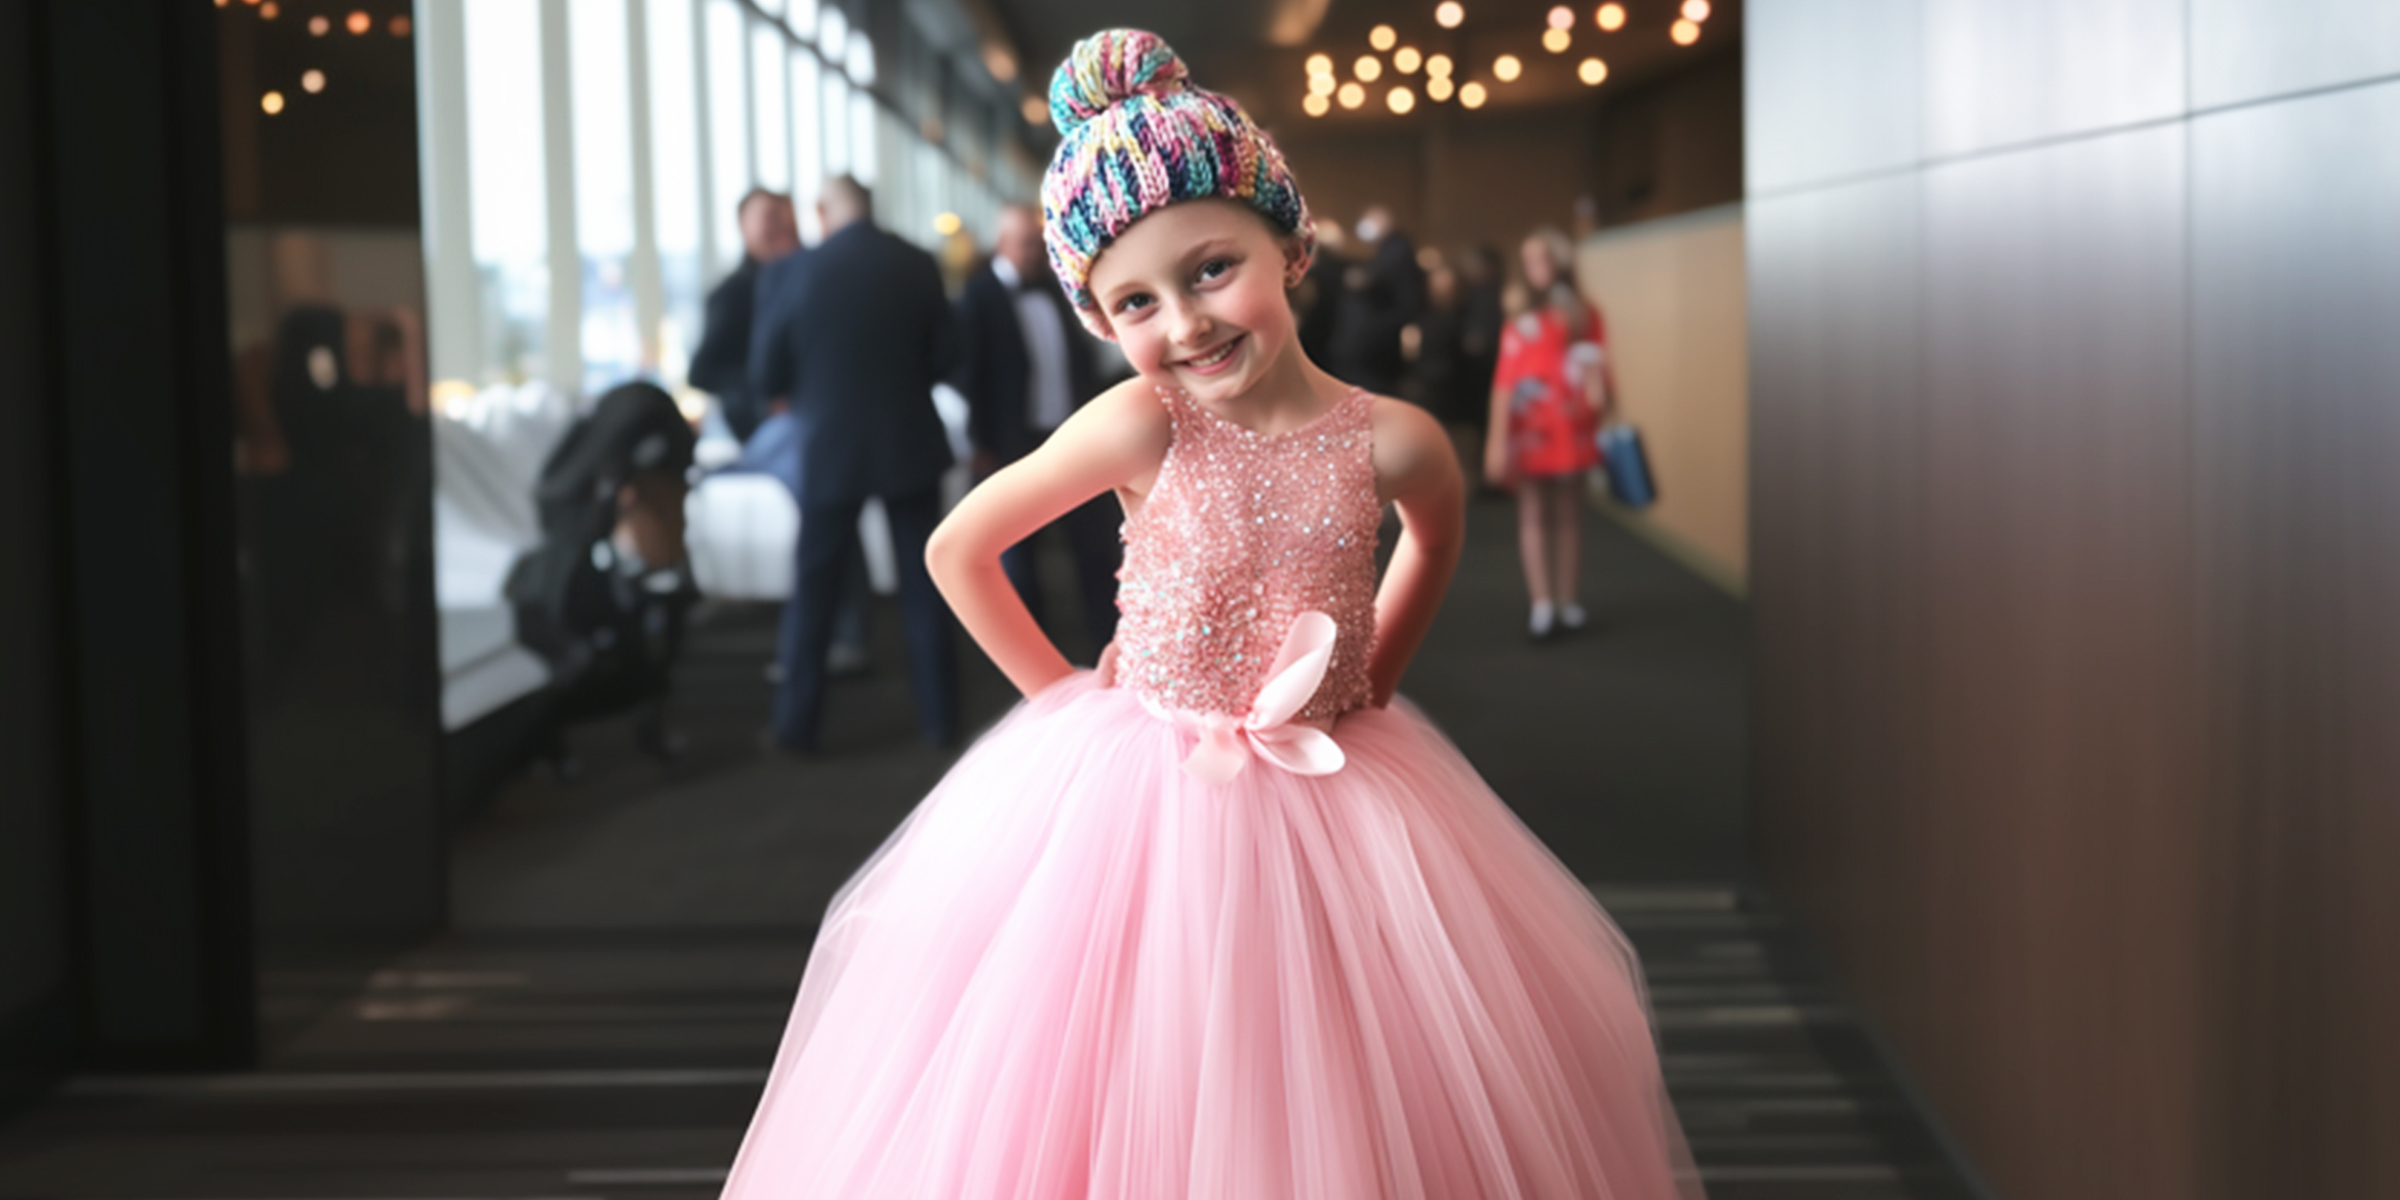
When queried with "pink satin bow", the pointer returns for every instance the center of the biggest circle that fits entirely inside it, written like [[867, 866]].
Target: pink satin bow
[[1268, 731]]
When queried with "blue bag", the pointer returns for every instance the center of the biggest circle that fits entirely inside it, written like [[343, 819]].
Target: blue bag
[[1628, 467]]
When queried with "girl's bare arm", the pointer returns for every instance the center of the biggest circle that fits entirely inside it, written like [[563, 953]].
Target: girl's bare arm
[[1417, 471], [1115, 441]]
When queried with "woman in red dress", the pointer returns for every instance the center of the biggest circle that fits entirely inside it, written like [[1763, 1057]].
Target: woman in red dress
[[1548, 395]]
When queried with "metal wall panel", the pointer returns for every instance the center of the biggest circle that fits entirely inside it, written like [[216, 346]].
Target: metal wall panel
[[1837, 505], [2061, 838], [2245, 50], [2296, 278], [1830, 91], [2006, 72]]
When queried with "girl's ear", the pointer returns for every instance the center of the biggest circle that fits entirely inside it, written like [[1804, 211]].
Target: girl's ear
[[1295, 261]]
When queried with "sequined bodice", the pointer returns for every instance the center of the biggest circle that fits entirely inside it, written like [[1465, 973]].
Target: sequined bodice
[[1240, 534]]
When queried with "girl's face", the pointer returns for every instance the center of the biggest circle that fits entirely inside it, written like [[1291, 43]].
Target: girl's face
[[1195, 295], [1540, 273]]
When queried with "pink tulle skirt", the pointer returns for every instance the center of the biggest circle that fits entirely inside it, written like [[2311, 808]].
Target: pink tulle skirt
[[1077, 972]]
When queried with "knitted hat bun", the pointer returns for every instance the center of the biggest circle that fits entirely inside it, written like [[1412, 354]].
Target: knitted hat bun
[[1137, 136]]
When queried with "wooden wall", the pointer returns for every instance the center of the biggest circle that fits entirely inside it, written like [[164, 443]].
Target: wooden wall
[[2074, 543], [1674, 292]]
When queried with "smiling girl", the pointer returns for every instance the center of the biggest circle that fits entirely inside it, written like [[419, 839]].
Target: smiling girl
[[1222, 918]]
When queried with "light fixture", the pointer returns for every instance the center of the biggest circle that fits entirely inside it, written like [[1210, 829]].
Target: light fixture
[[1382, 37], [320, 25], [1401, 99], [359, 22], [1611, 17], [1352, 95], [1592, 71], [1438, 66], [1320, 64], [1695, 11], [271, 103], [1439, 88], [1035, 109], [946, 224], [1470, 94], [400, 25], [1506, 68], [1406, 60], [1562, 17], [269, 11], [1449, 13], [1316, 105], [1685, 32], [1556, 41], [312, 81], [1368, 68], [1320, 85]]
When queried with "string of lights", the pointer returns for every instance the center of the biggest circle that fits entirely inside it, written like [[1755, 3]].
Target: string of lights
[[1326, 89]]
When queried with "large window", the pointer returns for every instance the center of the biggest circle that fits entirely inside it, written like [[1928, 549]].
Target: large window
[[677, 187], [771, 107], [729, 125], [601, 80], [505, 183], [726, 95]]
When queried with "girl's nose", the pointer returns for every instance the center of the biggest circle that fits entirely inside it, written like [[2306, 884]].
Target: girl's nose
[[1191, 324]]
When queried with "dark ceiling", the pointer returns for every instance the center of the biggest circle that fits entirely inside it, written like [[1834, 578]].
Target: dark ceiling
[[1256, 50]]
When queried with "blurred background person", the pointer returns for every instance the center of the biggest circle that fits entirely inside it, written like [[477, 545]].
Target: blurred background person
[[721, 363], [604, 595], [1481, 314], [856, 340], [1547, 400], [1025, 363], [1380, 297], [1319, 297]]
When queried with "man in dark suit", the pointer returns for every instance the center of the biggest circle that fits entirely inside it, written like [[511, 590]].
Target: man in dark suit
[[855, 338], [1380, 299], [1026, 364], [721, 363]]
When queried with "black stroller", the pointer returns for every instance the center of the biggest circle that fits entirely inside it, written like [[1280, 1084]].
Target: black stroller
[[604, 597]]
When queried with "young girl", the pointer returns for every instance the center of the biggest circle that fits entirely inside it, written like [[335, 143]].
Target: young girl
[[1548, 396], [1217, 920]]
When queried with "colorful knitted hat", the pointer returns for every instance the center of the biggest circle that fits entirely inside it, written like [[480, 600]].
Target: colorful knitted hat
[[1138, 137]]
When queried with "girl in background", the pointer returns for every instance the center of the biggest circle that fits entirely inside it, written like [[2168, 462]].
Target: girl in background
[[1223, 919], [1549, 393]]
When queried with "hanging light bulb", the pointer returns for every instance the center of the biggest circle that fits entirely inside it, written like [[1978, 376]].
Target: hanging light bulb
[[1382, 37], [1471, 94], [1592, 71], [1352, 94], [1438, 66], [1506, 68], [1562, 17], [1611, 17], [1401, 100], [1439, 88], [1685, 32], [1315, 104], [1449, 13], [1556, 41], [1695, 11], [1320, 64], [1368, 68], [1406, 60]]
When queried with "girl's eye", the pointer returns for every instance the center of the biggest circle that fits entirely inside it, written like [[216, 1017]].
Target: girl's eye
[[1214, 268], [1133, 303]]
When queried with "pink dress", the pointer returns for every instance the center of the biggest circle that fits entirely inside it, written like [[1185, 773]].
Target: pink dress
[[1174, 940]]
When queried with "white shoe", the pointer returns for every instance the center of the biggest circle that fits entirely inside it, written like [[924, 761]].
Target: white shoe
[[1544, 617], [1572, 616]]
